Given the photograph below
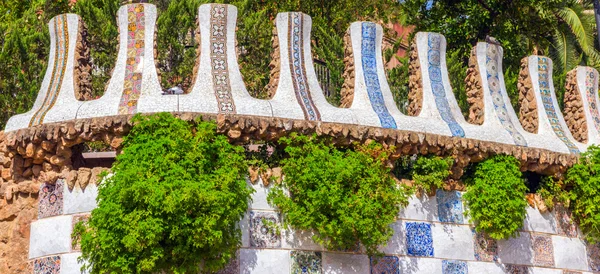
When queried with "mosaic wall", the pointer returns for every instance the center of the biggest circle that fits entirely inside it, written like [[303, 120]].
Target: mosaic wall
[[132, 86], [428, 238], [546, 94], [218, 58], [437, 84], [369, 64], [591, 88], [297, 63], [493, 79], [61, 52]]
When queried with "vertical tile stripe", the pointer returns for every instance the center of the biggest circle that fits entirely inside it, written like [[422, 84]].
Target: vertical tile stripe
[[546, 95], [218, 58], [434, 42], [132, 86], [492, 63], [297, 67], [591, 86], [369, 64], [61, 36]]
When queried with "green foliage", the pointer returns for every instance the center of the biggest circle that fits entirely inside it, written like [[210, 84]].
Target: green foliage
[[496, 197], [345, 196], [558, 28], [431, 172], [552, 191], [172, 204], [585, 200]]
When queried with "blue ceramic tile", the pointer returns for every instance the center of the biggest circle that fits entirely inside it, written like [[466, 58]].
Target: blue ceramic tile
[[385, 265], [418, 239], [306, 262], [450, 208], [454, 267]]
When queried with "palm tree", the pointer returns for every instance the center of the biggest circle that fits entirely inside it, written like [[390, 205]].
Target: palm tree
[[572, 42]]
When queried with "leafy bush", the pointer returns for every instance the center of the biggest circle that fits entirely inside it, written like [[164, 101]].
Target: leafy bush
[[172, 204], [430, 172], [585, 201], [496, 197], [345, 196], [552, 192]]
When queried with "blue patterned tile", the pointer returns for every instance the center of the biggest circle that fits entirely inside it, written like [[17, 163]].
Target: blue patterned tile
[[369, 64], [418, 239], [385, 265], [450, 208], [434, 57], [454, 267]]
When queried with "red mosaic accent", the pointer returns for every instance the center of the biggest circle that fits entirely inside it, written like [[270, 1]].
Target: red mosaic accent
[[132, 86]]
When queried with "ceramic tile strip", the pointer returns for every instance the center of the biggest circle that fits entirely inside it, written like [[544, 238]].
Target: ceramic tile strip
[[591, 88], [61, 34], [494, 85], [132, 86], [220, 67], [546, 95], [369, 64], [437, 86], [299, 79]]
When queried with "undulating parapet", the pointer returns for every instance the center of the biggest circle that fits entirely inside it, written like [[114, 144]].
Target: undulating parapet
[[298, 94], [134, 85], [368, 95], [56, 100], [491, 106], [550, 125], [437, 103], [581, 105], [219, 87]]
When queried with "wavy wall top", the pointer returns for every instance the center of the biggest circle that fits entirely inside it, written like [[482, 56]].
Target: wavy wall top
[[219, 87]]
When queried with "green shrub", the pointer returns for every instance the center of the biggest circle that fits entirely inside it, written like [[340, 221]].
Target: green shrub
[[552, 192], [172, 204], [496, 197], [585, 200], [431, 172], [344, 196]]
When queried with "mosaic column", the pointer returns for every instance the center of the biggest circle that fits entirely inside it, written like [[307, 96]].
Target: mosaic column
[[57, 88]]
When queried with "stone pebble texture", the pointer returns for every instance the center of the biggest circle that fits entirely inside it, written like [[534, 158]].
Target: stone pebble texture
[[42, 188]]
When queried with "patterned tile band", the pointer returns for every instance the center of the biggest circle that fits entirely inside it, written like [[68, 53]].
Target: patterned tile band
[[591, 87], [491, 63], [546, 94], [434, 42], [132, 86], [369, 63], [301, 88], [61, 35], [218, 58]]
